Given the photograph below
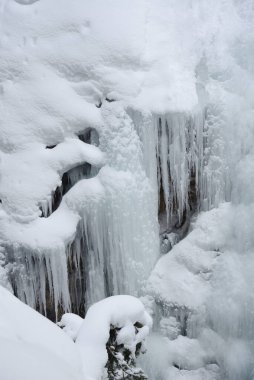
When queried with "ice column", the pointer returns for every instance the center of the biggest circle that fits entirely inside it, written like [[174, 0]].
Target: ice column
[[121, 231]]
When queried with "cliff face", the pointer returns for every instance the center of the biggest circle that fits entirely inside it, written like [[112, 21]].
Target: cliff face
[[120, 124]]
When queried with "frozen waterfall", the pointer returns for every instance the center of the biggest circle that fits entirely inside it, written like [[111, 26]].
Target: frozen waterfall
[[127, 167]]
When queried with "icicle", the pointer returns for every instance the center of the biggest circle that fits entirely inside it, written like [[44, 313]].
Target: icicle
[[185, 150], [172, 153], [215, 182], [147, 129], [46, 207], [119, 233], [163, 157], [39, 279]]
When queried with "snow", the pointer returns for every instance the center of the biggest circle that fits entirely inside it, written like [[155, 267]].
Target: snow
[[153, 55], [182, 276], [111, 196], [24, 205], [62, 87], [205, 281], [71, 323], [209, 373], [176, 84], [120, 311], [41, 350], [32, 346]]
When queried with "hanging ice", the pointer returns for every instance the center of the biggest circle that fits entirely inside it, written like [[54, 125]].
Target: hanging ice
[[118, 237]]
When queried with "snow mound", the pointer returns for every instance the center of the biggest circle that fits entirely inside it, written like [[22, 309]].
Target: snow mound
[[181, 277], [71, 323], [120, 311]]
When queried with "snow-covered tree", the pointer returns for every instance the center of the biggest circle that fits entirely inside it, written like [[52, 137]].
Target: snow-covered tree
[[111, 337], [121, 362]]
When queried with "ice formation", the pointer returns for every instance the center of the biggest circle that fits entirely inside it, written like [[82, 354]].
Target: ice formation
[[115, 113]]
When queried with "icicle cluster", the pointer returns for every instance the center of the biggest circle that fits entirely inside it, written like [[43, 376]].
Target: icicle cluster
[[183, 156], [115, 216], [215, 186], [117, 242], [150, 159], [39, 279]]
